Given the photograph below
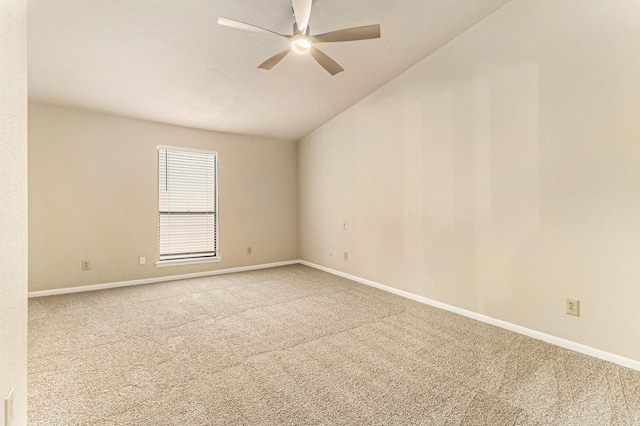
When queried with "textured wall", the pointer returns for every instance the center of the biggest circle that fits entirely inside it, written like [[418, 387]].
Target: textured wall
[[93, 195], [13, 206], [499, 175]]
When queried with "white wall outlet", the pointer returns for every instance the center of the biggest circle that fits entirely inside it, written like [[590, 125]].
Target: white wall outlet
[[344, 225], [8, 409], [573, 307], [346, 255], [143, 260], [249, 250], [86, 265]]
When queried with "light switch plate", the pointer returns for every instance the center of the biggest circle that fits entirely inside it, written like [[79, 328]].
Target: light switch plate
[[8, 409]]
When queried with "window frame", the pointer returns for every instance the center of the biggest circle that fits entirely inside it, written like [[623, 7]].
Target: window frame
[[188, 260]]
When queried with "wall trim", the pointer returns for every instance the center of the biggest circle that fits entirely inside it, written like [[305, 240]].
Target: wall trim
[[567, 344], [68, 290], [563, 343]]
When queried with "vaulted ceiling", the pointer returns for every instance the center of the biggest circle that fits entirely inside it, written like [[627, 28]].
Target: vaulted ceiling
[[169, 61]]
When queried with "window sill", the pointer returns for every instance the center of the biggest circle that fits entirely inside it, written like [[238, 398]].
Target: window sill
[[180, 262]]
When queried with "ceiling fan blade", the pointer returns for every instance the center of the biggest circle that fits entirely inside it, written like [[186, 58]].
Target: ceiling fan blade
[[302, 12], [349, 34], [327, 63], [273, 61], [247, 27]]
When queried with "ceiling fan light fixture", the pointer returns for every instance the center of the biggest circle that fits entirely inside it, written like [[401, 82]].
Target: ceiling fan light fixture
[[301, 45], [303, 42]]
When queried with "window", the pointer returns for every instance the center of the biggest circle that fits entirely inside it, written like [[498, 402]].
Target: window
[[187, 206]]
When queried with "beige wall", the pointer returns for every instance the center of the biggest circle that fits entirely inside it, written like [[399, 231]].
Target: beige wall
[[93, 195], [500, 175], [13, 207]]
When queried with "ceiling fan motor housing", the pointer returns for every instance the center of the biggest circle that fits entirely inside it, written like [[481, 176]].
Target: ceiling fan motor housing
[[296, 31]]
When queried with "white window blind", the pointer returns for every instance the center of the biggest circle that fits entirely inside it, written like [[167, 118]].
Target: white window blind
[[187, 194]]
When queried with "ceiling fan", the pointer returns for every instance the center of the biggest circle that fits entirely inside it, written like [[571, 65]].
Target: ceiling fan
[[302, 42]]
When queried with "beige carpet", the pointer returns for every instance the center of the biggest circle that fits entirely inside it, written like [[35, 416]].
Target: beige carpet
[[297, 346]]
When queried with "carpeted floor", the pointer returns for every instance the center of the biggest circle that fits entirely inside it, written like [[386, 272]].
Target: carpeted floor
[[297, 346]]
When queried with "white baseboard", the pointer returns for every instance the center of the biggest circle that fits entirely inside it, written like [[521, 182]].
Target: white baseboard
[[567, 344], [80, 289]]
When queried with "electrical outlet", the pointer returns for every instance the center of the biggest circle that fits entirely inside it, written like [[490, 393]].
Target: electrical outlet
[[573, 307], [346, 255], [86, 265], [143, 260], [8, 409], [249, 250]]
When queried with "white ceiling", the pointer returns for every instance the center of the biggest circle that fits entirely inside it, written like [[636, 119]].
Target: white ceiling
[[169, 61]]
